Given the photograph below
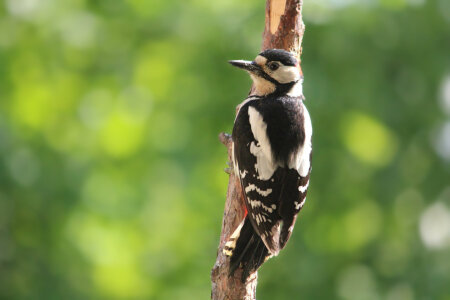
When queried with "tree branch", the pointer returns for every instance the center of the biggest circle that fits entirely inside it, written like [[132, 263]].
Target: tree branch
[[284, 29]]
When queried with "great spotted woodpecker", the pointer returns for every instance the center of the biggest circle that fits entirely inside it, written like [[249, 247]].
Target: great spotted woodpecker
[[271, 156]]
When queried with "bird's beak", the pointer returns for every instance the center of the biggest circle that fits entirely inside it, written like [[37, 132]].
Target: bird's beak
[[249, 66]]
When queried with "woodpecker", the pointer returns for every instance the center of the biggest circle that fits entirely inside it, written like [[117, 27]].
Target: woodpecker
[[271, 153]]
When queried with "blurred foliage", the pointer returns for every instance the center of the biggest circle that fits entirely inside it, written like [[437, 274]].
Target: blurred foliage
[[111, 173]]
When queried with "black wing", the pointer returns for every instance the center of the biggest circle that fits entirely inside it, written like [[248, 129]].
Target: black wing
[[272, 203]]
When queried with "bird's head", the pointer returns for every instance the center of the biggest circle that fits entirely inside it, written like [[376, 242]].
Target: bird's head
[[273, 71]]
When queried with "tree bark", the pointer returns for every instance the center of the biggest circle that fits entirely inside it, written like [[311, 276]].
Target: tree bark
[[284, 29]]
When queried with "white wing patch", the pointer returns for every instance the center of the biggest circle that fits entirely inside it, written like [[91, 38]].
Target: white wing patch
[[303, 188], [301, 160], [299, 205], [252, 187], [257, 203], [265, 166], [261, 218], [286, 74], [254, 203]]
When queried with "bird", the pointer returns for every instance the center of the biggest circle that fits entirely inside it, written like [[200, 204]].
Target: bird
[[271, 156]]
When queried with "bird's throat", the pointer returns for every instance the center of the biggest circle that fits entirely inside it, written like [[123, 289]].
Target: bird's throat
[[261, 86]]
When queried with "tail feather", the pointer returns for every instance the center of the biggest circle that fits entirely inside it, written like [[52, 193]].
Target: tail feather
[[246, 249]]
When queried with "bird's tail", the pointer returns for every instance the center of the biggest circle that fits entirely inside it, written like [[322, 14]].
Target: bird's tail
[[246, 250]]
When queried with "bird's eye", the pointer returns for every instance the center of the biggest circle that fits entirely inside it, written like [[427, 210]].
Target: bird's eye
[[273, 66]]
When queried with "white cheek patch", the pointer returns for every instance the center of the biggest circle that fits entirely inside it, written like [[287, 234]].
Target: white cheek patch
[[262, 86], [286, 74], [296, 90]]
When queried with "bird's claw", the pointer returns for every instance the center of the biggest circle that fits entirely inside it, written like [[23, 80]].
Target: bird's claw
[[225, 138], [230, 168]]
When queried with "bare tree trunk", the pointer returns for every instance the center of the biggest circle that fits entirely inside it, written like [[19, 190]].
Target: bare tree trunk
[[283, 30]]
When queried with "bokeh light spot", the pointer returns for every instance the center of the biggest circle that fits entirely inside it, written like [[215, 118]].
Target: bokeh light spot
[[362, 225], [33, 104], [155, 68], [368, 139], [95, 107], [22, 8], [441, 141], [122, 135], [121, 282], [113, 248], [103, 241], [357, 282], [435, 226], [79, 29]]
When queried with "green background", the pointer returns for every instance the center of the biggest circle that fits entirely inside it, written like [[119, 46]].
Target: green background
[[111, 173]]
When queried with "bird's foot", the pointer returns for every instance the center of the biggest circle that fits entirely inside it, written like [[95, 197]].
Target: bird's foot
[[225, 139], [230, 169]]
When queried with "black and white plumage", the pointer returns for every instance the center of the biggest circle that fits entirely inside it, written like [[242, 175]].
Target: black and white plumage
[[271, 156]]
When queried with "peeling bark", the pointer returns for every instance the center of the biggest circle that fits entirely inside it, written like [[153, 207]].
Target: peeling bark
[[284, 29]]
